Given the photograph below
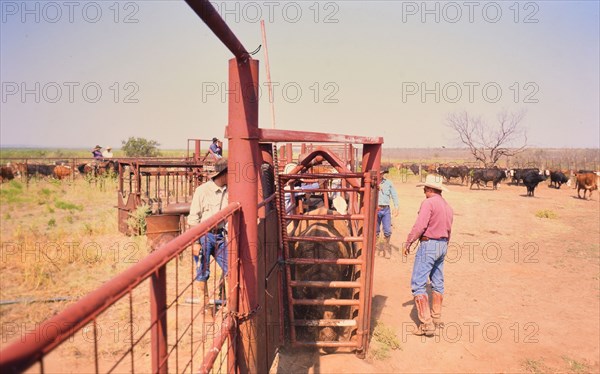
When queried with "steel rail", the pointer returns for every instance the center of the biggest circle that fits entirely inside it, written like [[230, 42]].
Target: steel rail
[[205, 10]]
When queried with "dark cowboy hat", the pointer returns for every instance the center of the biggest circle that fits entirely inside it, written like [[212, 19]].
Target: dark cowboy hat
[[220, 168], [97, 147], [215, 140], [384, 170]]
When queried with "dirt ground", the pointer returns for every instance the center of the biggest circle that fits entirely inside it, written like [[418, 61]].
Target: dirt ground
[[522, 292]]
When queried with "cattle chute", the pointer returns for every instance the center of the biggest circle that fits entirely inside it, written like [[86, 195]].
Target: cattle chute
[[328, 251]]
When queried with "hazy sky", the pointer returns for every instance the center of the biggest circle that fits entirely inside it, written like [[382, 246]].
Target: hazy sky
[[83, 73]]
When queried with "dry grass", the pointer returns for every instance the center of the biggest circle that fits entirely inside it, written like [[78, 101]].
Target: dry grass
[[59, 239]]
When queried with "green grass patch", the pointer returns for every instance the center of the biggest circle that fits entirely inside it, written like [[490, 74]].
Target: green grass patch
[[535, 366], [576, 366], [52, 222], [384, 341], [386, 336], [546, 214], [59, 204], [13, 193]]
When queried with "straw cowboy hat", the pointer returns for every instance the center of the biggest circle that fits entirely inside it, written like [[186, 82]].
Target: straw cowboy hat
[[433, 181], [220, 168], [108, 147], [289, 167]]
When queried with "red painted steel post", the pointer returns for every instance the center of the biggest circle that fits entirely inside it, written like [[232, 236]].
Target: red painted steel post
[[289, 155], [233, 287], [371, 161], [244, 167], [158, 310], [196, 149]]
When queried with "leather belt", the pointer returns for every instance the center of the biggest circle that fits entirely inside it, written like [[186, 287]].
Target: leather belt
[[384, 206], [426, 239]]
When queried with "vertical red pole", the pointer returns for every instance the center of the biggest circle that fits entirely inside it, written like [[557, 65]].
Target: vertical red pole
[[371, 160], [158, 316], [289, 153], [196, 149], [244, 167]]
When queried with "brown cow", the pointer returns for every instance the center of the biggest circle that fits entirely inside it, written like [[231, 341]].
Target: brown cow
[[6, 173], [62, 171], [587, 182]]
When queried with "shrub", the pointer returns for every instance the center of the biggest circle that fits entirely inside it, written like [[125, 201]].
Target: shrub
[[140, 147], [546, 214], [137, 220]]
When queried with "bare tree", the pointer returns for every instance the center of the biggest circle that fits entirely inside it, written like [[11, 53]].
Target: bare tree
[[488, 143]]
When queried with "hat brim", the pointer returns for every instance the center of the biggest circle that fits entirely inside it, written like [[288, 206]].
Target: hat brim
[[434, 186], [216, 174]]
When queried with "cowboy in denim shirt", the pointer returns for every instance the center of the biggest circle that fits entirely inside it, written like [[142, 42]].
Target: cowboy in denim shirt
[[387, 194]]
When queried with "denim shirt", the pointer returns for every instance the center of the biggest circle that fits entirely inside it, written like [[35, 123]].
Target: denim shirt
[[387, 192]]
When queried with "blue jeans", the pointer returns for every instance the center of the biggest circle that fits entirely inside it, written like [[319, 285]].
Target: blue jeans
[[384, 216], [429, 262], [212, 245]]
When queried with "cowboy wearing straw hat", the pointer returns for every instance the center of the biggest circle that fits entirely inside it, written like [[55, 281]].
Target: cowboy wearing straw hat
[[432, 227], [209, 198]]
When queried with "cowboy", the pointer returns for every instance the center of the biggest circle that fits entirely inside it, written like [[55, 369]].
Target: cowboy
[[108, 152], [209, 198], [387, 194], [433, 228], [96, 153], [216, 149]]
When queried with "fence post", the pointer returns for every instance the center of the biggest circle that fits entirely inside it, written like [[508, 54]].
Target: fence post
[[158, 302], [244, 166]]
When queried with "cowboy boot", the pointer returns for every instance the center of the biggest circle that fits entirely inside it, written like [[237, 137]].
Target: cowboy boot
[[387, 248], [436, 309], [426, 327], [380, 247]]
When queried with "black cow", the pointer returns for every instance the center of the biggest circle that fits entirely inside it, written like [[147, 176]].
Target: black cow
[[531, 180], [518, 174], [414, 168], [487, 175], [453, 172], [36, 169], [557, 178]]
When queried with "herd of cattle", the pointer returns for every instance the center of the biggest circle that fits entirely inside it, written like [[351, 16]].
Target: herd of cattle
[[60, 170], [586, 180]]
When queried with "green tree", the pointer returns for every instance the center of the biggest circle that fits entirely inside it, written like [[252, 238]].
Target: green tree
[[140, 147]]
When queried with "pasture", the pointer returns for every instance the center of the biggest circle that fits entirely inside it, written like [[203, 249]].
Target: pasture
[[522, 276]]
